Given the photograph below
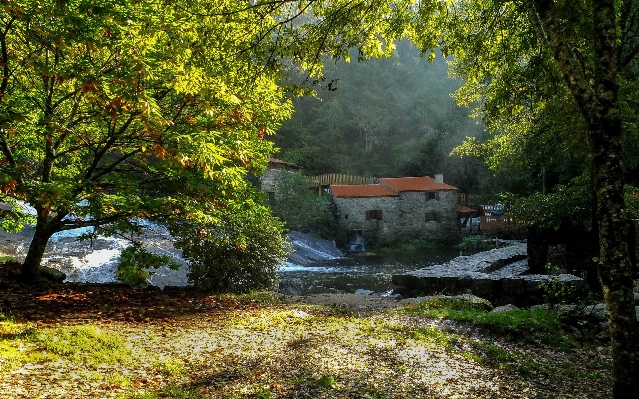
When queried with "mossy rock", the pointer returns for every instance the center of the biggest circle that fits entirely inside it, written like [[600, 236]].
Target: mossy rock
[[456, 302], [52, 274]]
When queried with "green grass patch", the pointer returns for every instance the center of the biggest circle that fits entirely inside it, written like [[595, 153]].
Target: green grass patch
[[170, 368], [87, 344], [23, 343], [263, 298], [6, 317], [528, 326], [326, 382]]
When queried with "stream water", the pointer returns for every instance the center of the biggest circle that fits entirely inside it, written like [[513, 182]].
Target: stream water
[[360, 272]]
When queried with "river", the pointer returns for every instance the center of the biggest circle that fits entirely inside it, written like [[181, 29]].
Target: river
[[360, 272], [314, 263]]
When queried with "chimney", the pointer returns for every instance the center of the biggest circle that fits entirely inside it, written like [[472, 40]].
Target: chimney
[[439, 178]]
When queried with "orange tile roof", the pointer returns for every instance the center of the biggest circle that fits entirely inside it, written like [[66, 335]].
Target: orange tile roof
[[424, 183], [362, 190], [465, 209]]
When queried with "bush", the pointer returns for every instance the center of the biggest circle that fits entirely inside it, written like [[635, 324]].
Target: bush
[[477, 243], [240, 254], [301, 209], [135, 262]]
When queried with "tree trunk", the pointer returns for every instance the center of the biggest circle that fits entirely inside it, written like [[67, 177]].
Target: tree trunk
[[596, 88], [30, 270], [615, 270]]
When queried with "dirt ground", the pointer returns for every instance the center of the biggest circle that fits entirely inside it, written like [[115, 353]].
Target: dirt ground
[[355, 302]]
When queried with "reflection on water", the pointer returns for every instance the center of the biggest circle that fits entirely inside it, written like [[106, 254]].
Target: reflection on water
[[371, 272]]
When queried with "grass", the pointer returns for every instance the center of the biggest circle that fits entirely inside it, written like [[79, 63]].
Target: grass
[[23, 343], [272, 350], [531, 326]]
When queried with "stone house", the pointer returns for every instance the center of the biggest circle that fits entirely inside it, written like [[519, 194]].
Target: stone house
[[268, 180], [398, 207]]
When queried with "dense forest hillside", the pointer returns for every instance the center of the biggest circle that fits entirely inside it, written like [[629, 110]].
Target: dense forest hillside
[[386, 117]]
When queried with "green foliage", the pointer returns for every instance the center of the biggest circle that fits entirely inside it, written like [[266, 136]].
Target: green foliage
[[526, 325], [388, 117], [632, 202], [302, 209], [569, 203], [131, 109], [239, 255], [412, 246], [135, 262], [477, 242]]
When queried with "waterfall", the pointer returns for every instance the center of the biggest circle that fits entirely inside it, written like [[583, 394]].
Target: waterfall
[[357, 242]]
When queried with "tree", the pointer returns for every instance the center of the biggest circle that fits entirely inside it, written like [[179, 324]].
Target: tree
[[113, 111], [120, 110], [300, 208], [580, 51]]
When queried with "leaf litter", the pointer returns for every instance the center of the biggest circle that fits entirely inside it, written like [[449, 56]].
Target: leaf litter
[[179, 343]]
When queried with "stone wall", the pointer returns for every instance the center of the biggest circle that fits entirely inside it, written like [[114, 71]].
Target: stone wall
[[269, 179], [404, 215], [352, 216]]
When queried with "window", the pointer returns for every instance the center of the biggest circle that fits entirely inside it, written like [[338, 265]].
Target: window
[[345, 217], [431, 217], [375, 214], [432, 195]]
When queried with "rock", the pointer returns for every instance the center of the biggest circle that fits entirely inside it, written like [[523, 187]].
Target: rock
[[361, 291], [298, 314], [447, 326], [52, 274], [474, 302], [598, 310], [291, 286], [543, 306], [504, 308], [498, 275], [576, 332]]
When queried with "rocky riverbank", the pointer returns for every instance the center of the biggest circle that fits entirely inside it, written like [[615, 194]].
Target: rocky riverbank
[[500, 275]]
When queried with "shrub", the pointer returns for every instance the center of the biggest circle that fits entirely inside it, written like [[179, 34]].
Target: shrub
[[135, 262], [238, 255]]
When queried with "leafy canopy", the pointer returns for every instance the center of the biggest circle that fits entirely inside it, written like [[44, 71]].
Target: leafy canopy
[[120, 109]]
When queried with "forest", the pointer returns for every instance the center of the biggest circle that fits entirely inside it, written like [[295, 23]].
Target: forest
[[381, 118]]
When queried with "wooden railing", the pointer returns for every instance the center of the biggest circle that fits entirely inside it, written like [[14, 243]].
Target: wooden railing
[[505, 222], [339, 178]]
